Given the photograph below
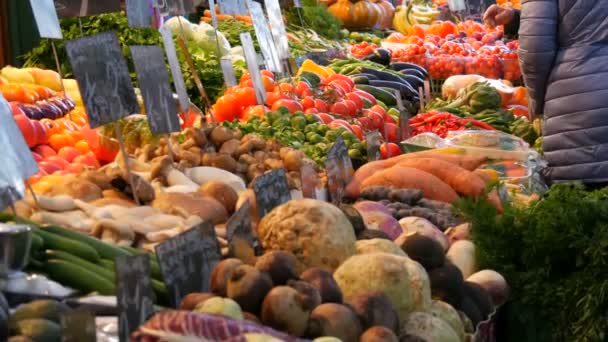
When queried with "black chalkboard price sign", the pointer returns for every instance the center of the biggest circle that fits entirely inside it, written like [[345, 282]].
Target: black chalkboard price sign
[[103, 78], [78, 326], [186, 261], [133, 293], [83, 8], [271, 190], [339, 169], [138, 13], [153, 80]]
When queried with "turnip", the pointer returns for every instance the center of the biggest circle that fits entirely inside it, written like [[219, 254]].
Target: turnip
[[494, 283], [377, 216], [462, 255], [425, 228]]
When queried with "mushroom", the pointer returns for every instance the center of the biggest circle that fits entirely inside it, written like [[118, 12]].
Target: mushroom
[[114, 232], [163, 168]]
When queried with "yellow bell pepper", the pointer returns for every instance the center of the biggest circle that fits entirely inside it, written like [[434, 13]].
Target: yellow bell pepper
[[313, 67]]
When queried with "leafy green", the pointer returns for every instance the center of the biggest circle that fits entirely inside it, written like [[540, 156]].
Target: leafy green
[[232, 28], [554, 255], [315, 16]]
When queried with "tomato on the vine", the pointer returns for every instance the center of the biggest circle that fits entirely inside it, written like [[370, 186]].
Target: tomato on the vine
[[245, 96], [226, 108]]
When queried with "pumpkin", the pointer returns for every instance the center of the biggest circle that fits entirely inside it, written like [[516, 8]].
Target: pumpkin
[[374, 15], [343, 10], [389, 11], [359, 17]]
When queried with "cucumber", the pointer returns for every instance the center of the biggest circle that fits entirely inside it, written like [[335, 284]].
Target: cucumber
[[107, 264], [403, 65], [37, 244], [312, 79], [58, 242], [383, 75], [160, 291], [79, 277], [62, 255], [381, 95], [105, 250], [360, 79]]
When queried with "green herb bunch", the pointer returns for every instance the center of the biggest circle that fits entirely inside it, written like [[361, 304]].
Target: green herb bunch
[[315, 16], [554, 255]]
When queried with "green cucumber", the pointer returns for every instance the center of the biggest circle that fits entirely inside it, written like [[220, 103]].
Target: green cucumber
[[58, 242], [37, 244], [360, 79], [105, 250], [160, 291], [79, 277], [62, 255], [107, 264], [312, 79], [381, 95]]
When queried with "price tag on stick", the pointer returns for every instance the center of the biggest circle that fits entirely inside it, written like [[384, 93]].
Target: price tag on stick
[[372, 139], [228, 71], [78, 325], [134, 297], [252, 66], [174, 7], [242, 243], [233, 7], [271, 190], [138, 13], [265, 40], [308, 176], [404, 119], [103, 78], [176, 71], [156, 91], [339, 169], [46, 19], [186, 261], [277, 27]]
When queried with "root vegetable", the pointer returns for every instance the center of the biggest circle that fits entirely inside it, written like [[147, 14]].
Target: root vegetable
[[480, 297], [310, 296], [324, 282], [378, 245], [448, 314], [354, 217], [191, 300], [420, 285], [377, 216], [280, 265], [293, 160], [462, 255], [220, 306], [447, 284], [494, 283], [428, 327], [422, 249], [425, 228], [220, 135], [460, 232], [379, 334], [283, 309], [375, 309], [334, 320], [248, 287], [221, 274], [368, 234]]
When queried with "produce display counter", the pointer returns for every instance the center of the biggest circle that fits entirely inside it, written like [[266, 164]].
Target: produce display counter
[[336, 209]]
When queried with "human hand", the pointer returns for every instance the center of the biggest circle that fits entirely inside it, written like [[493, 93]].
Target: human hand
[[496, 15]]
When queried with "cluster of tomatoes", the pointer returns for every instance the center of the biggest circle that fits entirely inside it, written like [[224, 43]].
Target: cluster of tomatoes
[[363, 49], [447, 49]]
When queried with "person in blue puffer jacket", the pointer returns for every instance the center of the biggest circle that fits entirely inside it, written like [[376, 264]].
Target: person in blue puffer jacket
[[564, 59]]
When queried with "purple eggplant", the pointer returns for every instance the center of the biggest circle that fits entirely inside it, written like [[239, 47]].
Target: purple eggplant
[[32, 111]]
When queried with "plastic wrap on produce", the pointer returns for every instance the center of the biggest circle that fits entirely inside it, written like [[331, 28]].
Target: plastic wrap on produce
[[173, 324]]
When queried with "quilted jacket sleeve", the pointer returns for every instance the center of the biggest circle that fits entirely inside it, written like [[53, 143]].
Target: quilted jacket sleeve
[[537, 47]]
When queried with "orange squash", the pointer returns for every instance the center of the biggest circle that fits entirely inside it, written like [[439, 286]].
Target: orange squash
[[343, 10], [374, 16]]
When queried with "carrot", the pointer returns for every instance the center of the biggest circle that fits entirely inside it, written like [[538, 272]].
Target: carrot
[[224, 17], [205, 19], [466, 162], [463, 181], [410, 178], [207, 13], [244, 18]]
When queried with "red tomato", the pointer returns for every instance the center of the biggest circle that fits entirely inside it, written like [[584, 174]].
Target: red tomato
[[246, 76], [340, 108], [285, 88], [245, 96], [366, 96], [352, 107], [339, 77], [27, 129], [268, 83], [345, 86], [365, 122], [301, 88], [325, 118], [335, 91], [390, 132], [311, 111], [225, 108], [378, 109], [340, 123], [356, 99], [389, 119], [291, 105], [267, 73], [273, 96], [15, 108], [376, 120], [308, 102], [390, 148], [358, 131], [321, 105], [253, 111]]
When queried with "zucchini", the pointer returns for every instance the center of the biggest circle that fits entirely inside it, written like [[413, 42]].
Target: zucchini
[[312, 79], [381, 95], [360, 79], [62, 255], [37, 244], [105, 250], [79, 277], [160, 291], [107, 264], [58, 242]]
